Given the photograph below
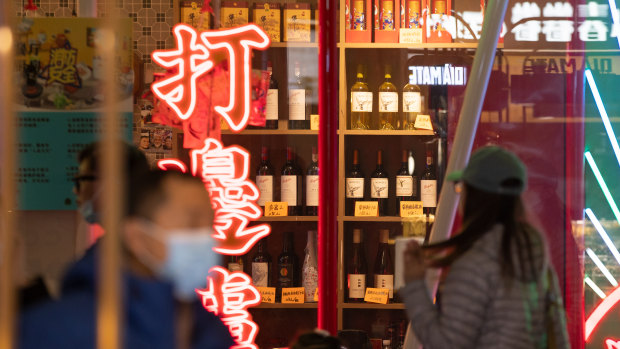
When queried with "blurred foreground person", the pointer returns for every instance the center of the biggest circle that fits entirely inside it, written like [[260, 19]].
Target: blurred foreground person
[[317, 339], [167, 253], [499, 291]]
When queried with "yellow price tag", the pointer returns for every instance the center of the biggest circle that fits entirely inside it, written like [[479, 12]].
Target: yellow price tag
[[276, 209], [314, 122], [367, 209], [293, 295], [316, 295], [411, 208], [377, 295], [423, 122], [267, 294], [410, 35]]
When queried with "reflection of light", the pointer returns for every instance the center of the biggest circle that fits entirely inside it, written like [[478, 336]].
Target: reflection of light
[[601, 183], [601, 310], [594, 288], [603, 234], [614, 16], [603, 112], [6, 40], [602, 267]]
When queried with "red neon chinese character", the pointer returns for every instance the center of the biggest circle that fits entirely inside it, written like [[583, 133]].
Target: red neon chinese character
[[612, 344], [225, 172], [228, 295]]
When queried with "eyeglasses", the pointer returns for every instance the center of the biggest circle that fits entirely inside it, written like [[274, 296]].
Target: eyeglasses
[[78, 179]]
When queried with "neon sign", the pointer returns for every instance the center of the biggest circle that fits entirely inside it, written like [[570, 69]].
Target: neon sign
[[224, 170], [439, 75]]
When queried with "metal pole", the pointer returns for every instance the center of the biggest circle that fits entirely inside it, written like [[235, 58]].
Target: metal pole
[[466, 130], [328, 163], [8, 307]]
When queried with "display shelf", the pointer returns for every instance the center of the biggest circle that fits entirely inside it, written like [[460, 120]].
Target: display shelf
[[286, 306], [280, 132], [289, 219], [428, 45], [372, 306], [386, 219], [388, 133], [294, 44]]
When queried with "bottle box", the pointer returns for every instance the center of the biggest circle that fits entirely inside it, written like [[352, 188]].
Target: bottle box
[[387, 20], [297, 19], [358, 21], [413, 21], [438, 20], [191, 13], [267, 16], [233, 14]]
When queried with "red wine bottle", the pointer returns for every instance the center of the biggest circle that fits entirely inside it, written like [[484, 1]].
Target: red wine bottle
[[299, 106], [261, 265], [384, 266], [379, 186], [312, 185], [354, 185], [288, 265], [405, 183], [428, 185], [290, 184], [264, 178], [271, 107], [357, 270]]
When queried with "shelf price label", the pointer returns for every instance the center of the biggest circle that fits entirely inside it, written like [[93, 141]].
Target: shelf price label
[[276, 209], [423, 122], [377, 295], [314, 122], [293, 295], [267, 294], [411, 208], [316, 295], [367, 209], [410, 35]]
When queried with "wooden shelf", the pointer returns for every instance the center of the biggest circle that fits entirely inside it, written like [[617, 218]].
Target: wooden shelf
[[371, 219], [286, 306], [294, 44], [280, 132], [372, 306], [388, 133], [289, 219], [376, 45]]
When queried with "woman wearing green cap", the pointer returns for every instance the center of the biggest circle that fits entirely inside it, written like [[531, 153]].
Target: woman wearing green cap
[[499, 291]]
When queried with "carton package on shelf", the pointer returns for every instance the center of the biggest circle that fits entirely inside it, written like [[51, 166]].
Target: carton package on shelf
[[438, 21], [412, 21], [358, 21], [387, 20], [233, 14], [267, 16], [191, 13], [297, 18]]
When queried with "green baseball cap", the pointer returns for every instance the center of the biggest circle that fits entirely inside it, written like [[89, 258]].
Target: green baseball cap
[[493, 169]]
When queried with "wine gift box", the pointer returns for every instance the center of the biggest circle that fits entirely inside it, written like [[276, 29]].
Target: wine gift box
[[412, 21], [358, 19], [191, 13], [297, 18], [267, 16], [233, 14], [438, 20], [387, 20]]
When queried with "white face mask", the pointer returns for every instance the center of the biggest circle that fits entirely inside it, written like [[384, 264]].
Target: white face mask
[[189, 257]]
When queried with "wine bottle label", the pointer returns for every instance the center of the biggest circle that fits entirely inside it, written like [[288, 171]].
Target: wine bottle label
[[428, 192], [260, 272], [385, 281], [312, 190], [288, 192], [265, 187], [379, 188], [285, 275], [355, 188], [357, 285], [412, 103], [388, 102], [297, 104], [235, 267], [361, 102], [271, 107], [310, 281], [404, 186]]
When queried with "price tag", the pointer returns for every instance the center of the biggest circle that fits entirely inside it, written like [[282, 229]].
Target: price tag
[[377, 295], [411, 208], [367, 209], [314, 122], [276, 209], [316, 295], [423, 122], [410, 35], [267, 294], [294, 295]]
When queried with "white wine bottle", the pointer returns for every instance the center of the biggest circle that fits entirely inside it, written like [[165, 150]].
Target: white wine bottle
[[412, 105], [388, 102], [361, 102]]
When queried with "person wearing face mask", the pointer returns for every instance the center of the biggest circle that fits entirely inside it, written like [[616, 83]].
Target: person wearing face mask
[[167, 253]]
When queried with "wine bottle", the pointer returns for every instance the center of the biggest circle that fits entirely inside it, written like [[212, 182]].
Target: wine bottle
[[312, 185], [287, 265], [428, 185], [310, 269], [298, 102], [290, 184], [261, 265], [357, 270], [411, 168], [235, 263], [388, 102], [412, 105], [404, 181], [264, 178], [379, 186], [354, 185], [384, 266], [361, 102], [271, 107]]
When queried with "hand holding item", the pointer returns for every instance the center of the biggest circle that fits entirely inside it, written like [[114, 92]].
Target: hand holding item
[[415, 262]]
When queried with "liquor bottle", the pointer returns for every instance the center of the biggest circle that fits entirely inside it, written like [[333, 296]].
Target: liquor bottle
[[387, 344], [411, 168], [310, 269], [354, 185], [261, 265], [404, 181], [290, 184], [440, 10], [414, 11], [387, 15], [379, 185], [384, 266], [402, 328], [428, 192], [287, 265], [235, 263], [361, 102], [412, 105], [312, 185], [298, 102], [356, 274], [264, 178], [359, 15], [388, 102], [271, 108]]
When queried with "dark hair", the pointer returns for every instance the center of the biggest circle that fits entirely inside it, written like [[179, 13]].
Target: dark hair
[[314, 340], [135, 161], [484, 210]]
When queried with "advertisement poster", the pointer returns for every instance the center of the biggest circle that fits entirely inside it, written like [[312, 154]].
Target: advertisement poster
[[59, 75]]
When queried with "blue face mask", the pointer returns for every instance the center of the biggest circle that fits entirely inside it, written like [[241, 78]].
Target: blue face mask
[[87, 210]]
